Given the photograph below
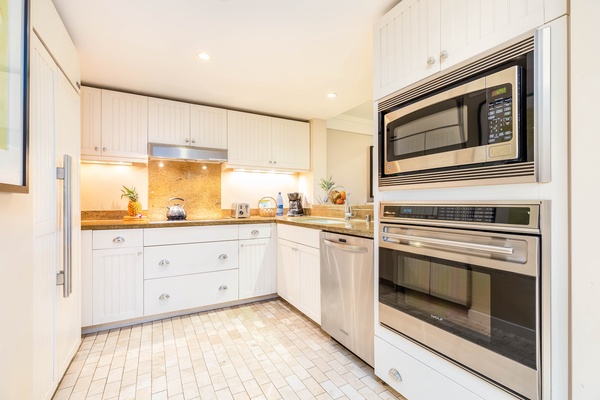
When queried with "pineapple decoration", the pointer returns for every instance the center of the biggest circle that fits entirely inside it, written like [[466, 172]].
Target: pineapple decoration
[[134, 207]]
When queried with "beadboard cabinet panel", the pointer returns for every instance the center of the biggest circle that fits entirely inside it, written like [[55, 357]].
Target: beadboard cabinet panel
[[257, 274], [290, 144], [91, 121], [168, 122], [249, 139], [208, 127]]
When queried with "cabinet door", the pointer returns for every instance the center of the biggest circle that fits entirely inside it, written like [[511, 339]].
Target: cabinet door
[[256, 268], [290, 147], [168, 122], [310, 282], [118, 284], [124, 125], [91, 121], [249, 139], [406, 45], [470, 27], [208, 127], [288, 272]]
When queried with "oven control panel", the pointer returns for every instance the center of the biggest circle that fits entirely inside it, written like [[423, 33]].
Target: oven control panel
[[506, 215]]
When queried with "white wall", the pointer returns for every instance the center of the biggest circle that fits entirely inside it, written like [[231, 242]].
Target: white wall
[[101, 185], [250, 187], [347, 162], [585, 196], [16, 310]]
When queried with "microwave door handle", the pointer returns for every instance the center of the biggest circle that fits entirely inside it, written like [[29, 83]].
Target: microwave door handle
[[452, 243]]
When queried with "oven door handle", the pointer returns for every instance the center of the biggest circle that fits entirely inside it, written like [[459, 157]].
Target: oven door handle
[[451, 243], [346, 247]]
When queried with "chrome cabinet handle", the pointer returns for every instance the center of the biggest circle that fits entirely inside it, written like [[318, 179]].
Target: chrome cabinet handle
[[119, 239], [223, 287], [164, 263], [223, 257], [64, 277], [395, 374], [254, 232], [443, 55], [164, 296], [430, 61]]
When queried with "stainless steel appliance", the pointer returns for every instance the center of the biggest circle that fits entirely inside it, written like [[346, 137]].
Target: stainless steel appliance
[[295, 207], [176, 211], [347, 299], [463, 280], [240, 210], [469, 126]]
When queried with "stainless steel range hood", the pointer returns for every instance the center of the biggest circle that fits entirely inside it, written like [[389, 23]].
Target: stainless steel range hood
[[186, 153]]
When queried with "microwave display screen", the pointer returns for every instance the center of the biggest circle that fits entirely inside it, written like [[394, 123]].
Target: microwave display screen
[[500, 114]]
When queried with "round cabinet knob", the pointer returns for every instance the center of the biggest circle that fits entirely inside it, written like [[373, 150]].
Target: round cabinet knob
[[104, 149], [255, 232], [274, 162], [164, 296], [119, 239], [270, 162], [164, 263], [187, 140], [96, 148], [139, 253], [223, 257], [223, 287], [193, 140], [430, 61], [395, 374], [443, 55]]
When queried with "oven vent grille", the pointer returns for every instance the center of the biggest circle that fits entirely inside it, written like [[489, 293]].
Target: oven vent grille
[[481, 65], [496, 174]]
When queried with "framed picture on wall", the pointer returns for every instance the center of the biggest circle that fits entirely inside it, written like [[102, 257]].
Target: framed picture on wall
[[14, 45]]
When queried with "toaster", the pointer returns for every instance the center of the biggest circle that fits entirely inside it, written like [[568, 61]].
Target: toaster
[[240, 210]]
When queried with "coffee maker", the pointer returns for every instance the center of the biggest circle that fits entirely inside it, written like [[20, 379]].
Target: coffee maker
[[295, 207]]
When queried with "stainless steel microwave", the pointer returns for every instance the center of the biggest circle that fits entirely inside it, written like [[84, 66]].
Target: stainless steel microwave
[[471, 126]]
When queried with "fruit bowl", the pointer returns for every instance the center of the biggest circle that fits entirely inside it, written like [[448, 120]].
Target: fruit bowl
[[337, 194]]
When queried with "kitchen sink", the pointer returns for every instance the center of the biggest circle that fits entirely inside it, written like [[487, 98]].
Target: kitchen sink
[[319, 221]]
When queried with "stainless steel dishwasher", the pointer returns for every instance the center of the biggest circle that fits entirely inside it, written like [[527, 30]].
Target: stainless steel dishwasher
[[347, 302]]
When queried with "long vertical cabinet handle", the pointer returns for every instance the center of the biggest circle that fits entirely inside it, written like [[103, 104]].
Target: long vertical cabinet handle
[[543, 63], [65, 277]]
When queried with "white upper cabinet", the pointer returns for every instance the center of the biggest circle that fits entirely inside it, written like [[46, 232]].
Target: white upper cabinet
[[114, 126], [168, 122], [290, 147], [418, 38], [264, 142], [208, 127]]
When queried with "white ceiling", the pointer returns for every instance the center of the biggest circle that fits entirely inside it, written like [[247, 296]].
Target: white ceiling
[[274, 57]]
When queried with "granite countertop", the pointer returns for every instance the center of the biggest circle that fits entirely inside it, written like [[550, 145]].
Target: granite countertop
[[356, 227]]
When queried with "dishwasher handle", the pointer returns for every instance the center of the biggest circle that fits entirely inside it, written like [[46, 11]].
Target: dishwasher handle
[[346, 247]]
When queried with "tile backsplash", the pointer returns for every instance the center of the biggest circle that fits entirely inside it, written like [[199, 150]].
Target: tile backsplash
[[197, 183]]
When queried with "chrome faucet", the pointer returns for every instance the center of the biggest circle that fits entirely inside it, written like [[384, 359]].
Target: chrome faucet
[[348, 212]]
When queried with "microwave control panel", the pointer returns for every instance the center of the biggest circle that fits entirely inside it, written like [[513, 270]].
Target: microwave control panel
[[500, 114]]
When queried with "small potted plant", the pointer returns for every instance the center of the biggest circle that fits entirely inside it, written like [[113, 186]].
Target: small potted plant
[[327, 184]]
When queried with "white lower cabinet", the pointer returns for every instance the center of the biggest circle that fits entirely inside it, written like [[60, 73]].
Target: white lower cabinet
[[413, 379], [257, 275], [189, 291], [299, 269], [117, 284]]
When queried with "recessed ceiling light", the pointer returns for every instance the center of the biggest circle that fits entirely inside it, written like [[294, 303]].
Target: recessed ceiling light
[[332, 95], [204, 56]]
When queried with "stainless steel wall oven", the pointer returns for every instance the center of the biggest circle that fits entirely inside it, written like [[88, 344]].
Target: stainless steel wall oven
[[463, 280]]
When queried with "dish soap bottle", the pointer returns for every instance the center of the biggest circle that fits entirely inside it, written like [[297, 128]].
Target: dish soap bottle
[[279, 212]]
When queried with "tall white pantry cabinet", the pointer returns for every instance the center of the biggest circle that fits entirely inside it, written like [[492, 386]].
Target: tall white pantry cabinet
[[40, 328]]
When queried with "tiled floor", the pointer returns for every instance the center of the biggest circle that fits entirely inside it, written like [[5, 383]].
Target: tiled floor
[[264, 350]]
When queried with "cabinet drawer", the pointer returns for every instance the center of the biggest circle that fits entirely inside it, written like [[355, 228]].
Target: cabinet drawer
[[189, 291], [192, 258], [118, 238], [298, 234], [255, 231], [413, 379], [190, 234]]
